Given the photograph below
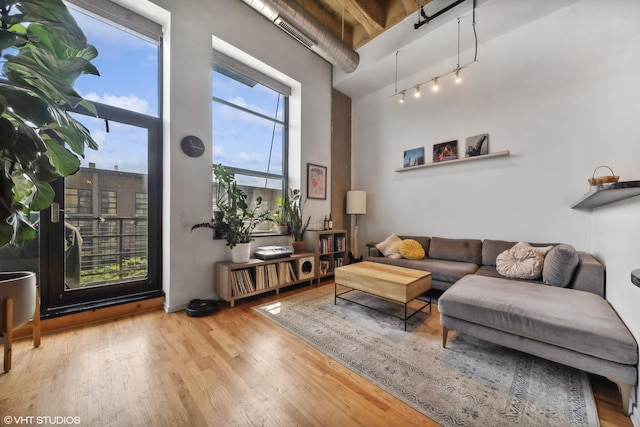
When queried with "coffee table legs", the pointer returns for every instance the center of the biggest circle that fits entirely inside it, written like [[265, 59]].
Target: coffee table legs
[[337, 296]]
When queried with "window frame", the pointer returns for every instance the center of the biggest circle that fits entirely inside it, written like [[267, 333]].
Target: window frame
[[235, 66]]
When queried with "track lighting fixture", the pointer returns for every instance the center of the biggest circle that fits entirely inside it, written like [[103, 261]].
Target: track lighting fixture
[[456, 72], [456, 76]]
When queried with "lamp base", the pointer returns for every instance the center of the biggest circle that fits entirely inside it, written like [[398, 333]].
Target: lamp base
[[353, 259]]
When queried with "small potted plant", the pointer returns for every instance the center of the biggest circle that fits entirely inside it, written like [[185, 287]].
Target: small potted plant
[[280, 217], [238, 219], [294, 209]]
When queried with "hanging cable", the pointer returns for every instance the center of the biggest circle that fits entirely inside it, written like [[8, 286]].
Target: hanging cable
[[397, 51], [343, 21], [475, 34], [458, 64], [273, 133]]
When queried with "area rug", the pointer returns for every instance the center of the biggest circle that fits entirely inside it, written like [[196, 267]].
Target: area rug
[[469, 383]]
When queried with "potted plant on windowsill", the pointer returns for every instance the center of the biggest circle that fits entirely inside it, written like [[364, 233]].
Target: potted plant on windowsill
[[297, 225], [239, 219], [280, 218]]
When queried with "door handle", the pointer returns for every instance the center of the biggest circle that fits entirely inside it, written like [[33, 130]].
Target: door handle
[[55, 212]]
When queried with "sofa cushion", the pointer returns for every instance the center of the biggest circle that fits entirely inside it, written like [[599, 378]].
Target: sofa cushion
[[441, 270], [492, 271], [411, 249], [559, 265], [520, 262], [492, 248], [389, 245], [463, 250], [579, 321]]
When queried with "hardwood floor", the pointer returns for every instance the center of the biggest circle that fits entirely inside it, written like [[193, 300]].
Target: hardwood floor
[[230, 368]]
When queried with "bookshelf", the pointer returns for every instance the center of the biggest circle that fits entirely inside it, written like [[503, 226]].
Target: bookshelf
[[330, 247], [238, 281]]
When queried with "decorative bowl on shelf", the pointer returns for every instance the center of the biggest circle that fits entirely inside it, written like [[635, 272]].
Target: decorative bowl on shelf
[[605, 179]]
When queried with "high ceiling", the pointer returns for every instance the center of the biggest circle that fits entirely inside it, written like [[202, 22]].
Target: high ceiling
[[363, 19]]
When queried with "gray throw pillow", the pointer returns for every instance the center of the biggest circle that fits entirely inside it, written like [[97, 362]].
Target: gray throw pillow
[[559, 265]]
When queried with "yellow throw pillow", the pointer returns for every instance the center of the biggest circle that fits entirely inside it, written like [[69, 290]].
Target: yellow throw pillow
[[411, 249]]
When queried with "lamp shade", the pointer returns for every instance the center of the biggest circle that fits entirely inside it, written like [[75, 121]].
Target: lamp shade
[[356, 202]]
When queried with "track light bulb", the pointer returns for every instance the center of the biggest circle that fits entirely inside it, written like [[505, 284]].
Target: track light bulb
[[417, 93], [456, 76], [402, 97], [436, 85]]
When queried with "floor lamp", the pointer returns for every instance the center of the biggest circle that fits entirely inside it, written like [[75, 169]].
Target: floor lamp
[[356, 205]]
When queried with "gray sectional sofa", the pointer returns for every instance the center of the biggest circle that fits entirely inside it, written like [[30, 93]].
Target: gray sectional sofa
[[570, 323]]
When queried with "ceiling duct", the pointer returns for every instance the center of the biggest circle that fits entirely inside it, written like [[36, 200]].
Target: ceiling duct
[[295, 21]]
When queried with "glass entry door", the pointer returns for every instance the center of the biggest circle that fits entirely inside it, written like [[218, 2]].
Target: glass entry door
[[102, 234]]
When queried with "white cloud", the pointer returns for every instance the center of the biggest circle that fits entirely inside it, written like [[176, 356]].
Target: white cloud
[[251, 158], [130, 102]]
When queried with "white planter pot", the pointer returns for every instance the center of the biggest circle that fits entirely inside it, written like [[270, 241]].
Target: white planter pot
[[20, 286], [241, 253]]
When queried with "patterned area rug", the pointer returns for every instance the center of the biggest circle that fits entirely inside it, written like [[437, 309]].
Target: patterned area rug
[[470, 383]]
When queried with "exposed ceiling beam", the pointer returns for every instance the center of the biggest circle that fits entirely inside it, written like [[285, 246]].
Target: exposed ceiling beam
[[368, 13]]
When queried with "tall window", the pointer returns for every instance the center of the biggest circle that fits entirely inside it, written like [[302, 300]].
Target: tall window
[[77, 201], [250, 127], [142, 204], [108, 202]]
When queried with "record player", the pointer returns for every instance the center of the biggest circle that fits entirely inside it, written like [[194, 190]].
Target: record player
[[272, 252]]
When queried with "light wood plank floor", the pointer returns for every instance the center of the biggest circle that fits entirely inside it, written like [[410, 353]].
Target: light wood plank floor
[[234, 368]]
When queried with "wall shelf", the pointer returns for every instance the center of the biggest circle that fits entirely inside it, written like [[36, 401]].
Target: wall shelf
[[448, 162], [604, 194], [635, 277]]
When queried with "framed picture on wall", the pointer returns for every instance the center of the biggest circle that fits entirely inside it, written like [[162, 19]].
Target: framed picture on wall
[[445, 151], [316, 181], [476, 145], [413, 157]]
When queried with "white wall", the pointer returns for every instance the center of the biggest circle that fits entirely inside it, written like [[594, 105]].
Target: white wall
[[189, 257], [561, 94]]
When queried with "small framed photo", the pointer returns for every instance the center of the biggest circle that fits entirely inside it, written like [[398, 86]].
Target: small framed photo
[[445, 151], [413, 157], [476, 145], [316, 181]]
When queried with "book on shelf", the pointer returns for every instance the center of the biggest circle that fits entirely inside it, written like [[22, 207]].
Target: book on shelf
[[286, 273], [326, 244], [325, 266], [340, 244], [260, 278], [243, 281], [272, 275], [292, 271], [235, 288]]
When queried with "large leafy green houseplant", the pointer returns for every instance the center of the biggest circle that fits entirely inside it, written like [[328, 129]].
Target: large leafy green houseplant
[[44, 52], [239, 219]]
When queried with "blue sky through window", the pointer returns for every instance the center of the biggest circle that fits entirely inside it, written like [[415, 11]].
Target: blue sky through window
[[128, 67], [244, 140]]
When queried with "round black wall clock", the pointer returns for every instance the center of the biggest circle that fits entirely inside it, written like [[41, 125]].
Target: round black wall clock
[[192, 146]]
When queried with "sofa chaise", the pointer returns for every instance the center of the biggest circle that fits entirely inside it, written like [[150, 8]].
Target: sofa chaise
[[567, 321]]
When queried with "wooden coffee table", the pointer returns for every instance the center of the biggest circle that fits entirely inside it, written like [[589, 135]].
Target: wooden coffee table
[[398, 284]]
